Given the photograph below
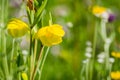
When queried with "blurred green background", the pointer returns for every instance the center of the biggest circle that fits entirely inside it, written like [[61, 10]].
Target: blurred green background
[[65, 61]]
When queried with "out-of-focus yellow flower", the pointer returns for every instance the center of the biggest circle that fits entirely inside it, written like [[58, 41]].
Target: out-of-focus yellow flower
[[24, 76], [50, 35], [98, 11], [17, 28], [115, 54], [115, 75]]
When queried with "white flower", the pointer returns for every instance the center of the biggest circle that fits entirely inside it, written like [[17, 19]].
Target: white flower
[[25, 52], [108, 40], [101, 55], [88, 55], [70, 24], [85, 61], [88, 43], [112, 60], [105, 16], [100, 60], [89, 49]]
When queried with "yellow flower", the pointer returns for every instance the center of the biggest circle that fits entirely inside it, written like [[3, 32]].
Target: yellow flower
[[24, 76], [50, 35], [115, 75], [17, 28], [115, 54], [98, 11]]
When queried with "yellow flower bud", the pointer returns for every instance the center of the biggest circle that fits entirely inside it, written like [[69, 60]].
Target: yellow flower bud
[[50, 35], [24, 76], [17, 28]]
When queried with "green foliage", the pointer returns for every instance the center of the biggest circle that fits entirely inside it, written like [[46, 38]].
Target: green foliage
[[64, 62]]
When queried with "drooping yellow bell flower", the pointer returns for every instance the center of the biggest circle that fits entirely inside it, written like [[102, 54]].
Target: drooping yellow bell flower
[[24, 76], [17, 28], [50, 35], [115, 75], [98, 11]]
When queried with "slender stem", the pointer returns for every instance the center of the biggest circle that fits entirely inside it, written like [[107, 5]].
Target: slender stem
[[28, 14], [2, 13], [0, 39], [107, 55], [1, 73], [35, 50], [12, 53], [19, 76], [103, 30], [82, 72], [6, 10], [87, 70], [110, 70], [94, 49], [34, 58], [38, 63], [4, 6], [5, 63], [44, 58], [30, 42], [107, 59], [106, 45], [31, 64], [50, 21]]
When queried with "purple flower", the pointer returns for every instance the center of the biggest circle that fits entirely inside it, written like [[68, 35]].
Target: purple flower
[[111, 18]]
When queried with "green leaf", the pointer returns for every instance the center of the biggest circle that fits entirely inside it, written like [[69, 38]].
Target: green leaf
[[39, 11]]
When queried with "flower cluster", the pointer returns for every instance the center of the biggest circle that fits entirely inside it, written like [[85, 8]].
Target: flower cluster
[[49, 35]]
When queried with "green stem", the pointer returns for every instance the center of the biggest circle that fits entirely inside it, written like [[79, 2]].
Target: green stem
[[30, 42], [107, 55], [106, 45], [35, 50], [1, 73], [0, 40], [94, 49], [103, 30], [34, 58], [5, 63], [50, 21], [2, 13], [38, 63], [19, 76], [4, 9], [12, 53], [107, 59], [82, 72], [44, 58], [87, 70], [30, 53], [110, 70]]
